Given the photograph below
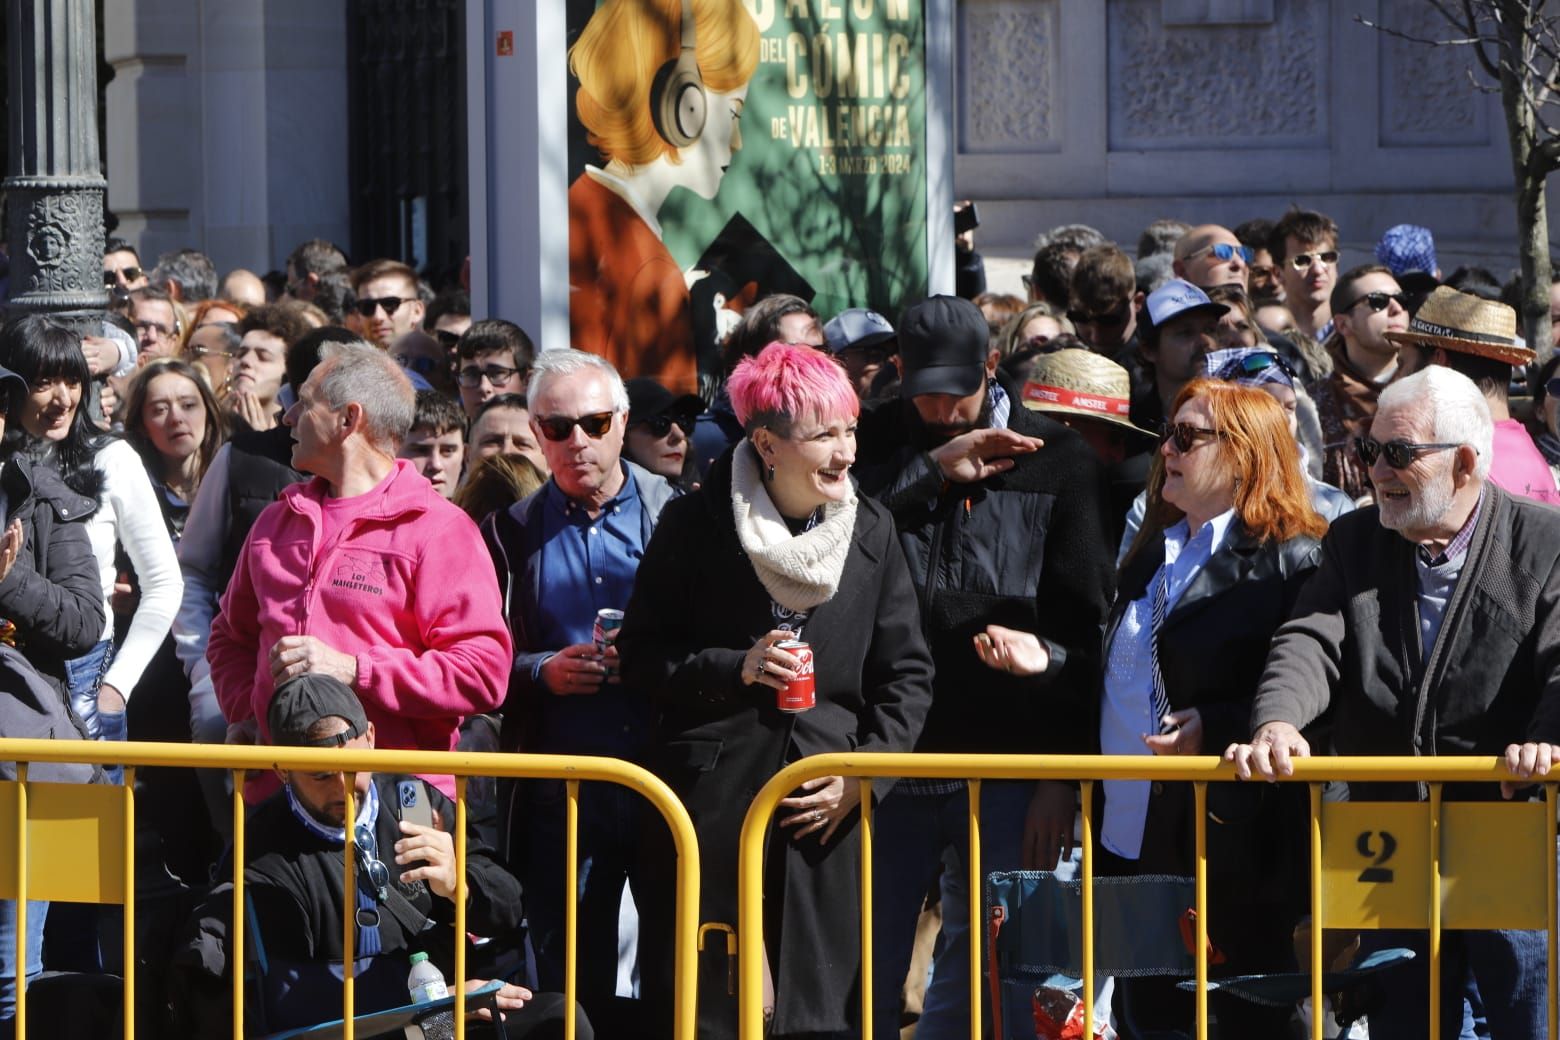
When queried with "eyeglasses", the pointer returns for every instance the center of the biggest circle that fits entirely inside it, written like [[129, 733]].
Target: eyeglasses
[[498, 375], [1225, 252], [1400, 454], [162, 331], [1252, 364], [368, 306], [1118, 316], [371, 865], [447, 339], [131, 274], [1379, 301], [560, 427], [660, 425], [1185, 436], [1301, 261]]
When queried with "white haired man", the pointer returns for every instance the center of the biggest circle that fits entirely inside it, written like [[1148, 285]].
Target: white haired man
[[365, 573], [1430, 628]]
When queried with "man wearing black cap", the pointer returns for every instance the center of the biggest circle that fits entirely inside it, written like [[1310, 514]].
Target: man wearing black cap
[[1001, 514], [405, 882]]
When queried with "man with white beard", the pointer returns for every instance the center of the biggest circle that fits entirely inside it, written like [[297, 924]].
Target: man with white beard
[[1432, 627]]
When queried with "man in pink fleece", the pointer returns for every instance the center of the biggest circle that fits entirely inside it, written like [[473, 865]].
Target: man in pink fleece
[[364, 573]]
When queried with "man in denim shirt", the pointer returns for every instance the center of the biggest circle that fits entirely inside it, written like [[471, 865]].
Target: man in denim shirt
[[563, 553]]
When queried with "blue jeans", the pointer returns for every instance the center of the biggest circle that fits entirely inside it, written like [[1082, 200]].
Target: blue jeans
[[1508, 966], [37, 913], [912, 832], [609, 822]]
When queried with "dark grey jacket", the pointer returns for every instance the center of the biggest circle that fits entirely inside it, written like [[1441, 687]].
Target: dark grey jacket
[[1352, 643], [52, 593]]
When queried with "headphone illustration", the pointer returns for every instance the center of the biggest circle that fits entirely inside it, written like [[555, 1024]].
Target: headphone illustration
[[678, 104]]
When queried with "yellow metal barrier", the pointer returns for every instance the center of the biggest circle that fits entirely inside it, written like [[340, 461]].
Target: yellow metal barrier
[[1348, 842], [61, 829]]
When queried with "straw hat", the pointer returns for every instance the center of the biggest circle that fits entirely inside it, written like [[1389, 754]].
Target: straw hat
[[1467, 324], [1081, 382]]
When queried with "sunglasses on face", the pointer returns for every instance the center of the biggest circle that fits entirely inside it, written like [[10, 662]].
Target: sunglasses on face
[[1303, 260], [1400, 454], [130, 274], [1225, 252], [1111, 318], [660, 425], [391, 304], [1380, 301], [1184, 435], [560, 427], [499, 375]]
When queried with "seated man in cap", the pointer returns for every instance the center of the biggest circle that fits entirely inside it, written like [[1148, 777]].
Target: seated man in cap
[[1477, 337], [405, 884]]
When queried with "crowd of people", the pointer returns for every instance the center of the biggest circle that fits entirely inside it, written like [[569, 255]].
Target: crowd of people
[[1219, 498]]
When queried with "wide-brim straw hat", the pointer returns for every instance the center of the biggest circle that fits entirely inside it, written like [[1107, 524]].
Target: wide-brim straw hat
[[1467, 324], [1081, 382]]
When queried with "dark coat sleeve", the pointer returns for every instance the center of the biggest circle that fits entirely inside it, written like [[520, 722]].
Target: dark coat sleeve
[[61, 609]]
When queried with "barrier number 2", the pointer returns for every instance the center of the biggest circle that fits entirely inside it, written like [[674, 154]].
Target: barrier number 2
[[1377, 871]]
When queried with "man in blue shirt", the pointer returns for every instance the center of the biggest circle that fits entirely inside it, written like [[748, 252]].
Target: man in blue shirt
[[561, 554]]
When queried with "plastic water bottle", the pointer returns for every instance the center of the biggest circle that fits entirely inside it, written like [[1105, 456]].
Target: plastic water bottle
[[425, 982]]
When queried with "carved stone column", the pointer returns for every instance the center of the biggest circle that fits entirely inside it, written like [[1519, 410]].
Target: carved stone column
[[54, 187]]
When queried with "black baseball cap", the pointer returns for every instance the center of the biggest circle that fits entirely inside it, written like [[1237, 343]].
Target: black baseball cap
[[943, 345], [304, 700], [648, 399]]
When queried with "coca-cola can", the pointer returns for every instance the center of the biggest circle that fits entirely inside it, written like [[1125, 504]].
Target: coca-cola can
[[801, 693], [605, 629]]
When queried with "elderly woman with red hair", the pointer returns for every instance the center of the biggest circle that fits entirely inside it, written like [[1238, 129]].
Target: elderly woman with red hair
[[776, 545]]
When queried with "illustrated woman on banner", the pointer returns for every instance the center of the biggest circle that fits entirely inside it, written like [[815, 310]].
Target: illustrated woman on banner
[[662, 86]]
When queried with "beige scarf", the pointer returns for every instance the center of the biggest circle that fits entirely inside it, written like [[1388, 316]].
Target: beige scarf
[[799, 571]]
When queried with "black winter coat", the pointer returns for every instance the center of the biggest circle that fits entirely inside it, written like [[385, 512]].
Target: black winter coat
[[1026, 549], [52, 593], [1212, 647], [697, 608]]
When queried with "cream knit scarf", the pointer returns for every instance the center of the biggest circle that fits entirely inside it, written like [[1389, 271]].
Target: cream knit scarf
[[799, 571]]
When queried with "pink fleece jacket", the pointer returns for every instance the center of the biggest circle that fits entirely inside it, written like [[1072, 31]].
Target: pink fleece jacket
[[407, 587]]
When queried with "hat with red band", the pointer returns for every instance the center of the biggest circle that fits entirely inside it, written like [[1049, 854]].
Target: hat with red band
[[1080, 382]]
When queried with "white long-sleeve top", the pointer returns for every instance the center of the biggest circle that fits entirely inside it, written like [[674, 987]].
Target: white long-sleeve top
[[130, 515]]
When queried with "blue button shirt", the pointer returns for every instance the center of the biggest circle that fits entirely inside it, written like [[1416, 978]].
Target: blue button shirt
[[588, 564]]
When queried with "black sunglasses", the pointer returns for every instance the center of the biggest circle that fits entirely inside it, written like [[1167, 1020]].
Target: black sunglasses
[[370, 863], [559, 427], [660, 425], [1379, 301], [368, 305], [1400, 454], [131, 274], [1185, 435]]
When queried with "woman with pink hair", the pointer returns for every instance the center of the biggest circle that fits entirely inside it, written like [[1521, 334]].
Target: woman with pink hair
[[775, 546]]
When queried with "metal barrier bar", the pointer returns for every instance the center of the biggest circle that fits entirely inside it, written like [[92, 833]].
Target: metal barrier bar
[[571, 908], [349, 912], [1200, 771], [977, 910], [460, 906], [128, 788], [240, 760], [866, 906]]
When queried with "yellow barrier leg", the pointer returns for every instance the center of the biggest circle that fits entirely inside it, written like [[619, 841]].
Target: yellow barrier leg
[[1088, 905], [1316, 911], [866, 908], [460, 908], [571, 908], [977, 899], [1435, 909], [129, 907], [349, 918], [21, 899], [240, 919], [1200, 790], [1554, 913]]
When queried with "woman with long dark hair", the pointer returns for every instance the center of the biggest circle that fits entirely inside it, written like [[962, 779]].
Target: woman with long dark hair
[[49, 425]]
